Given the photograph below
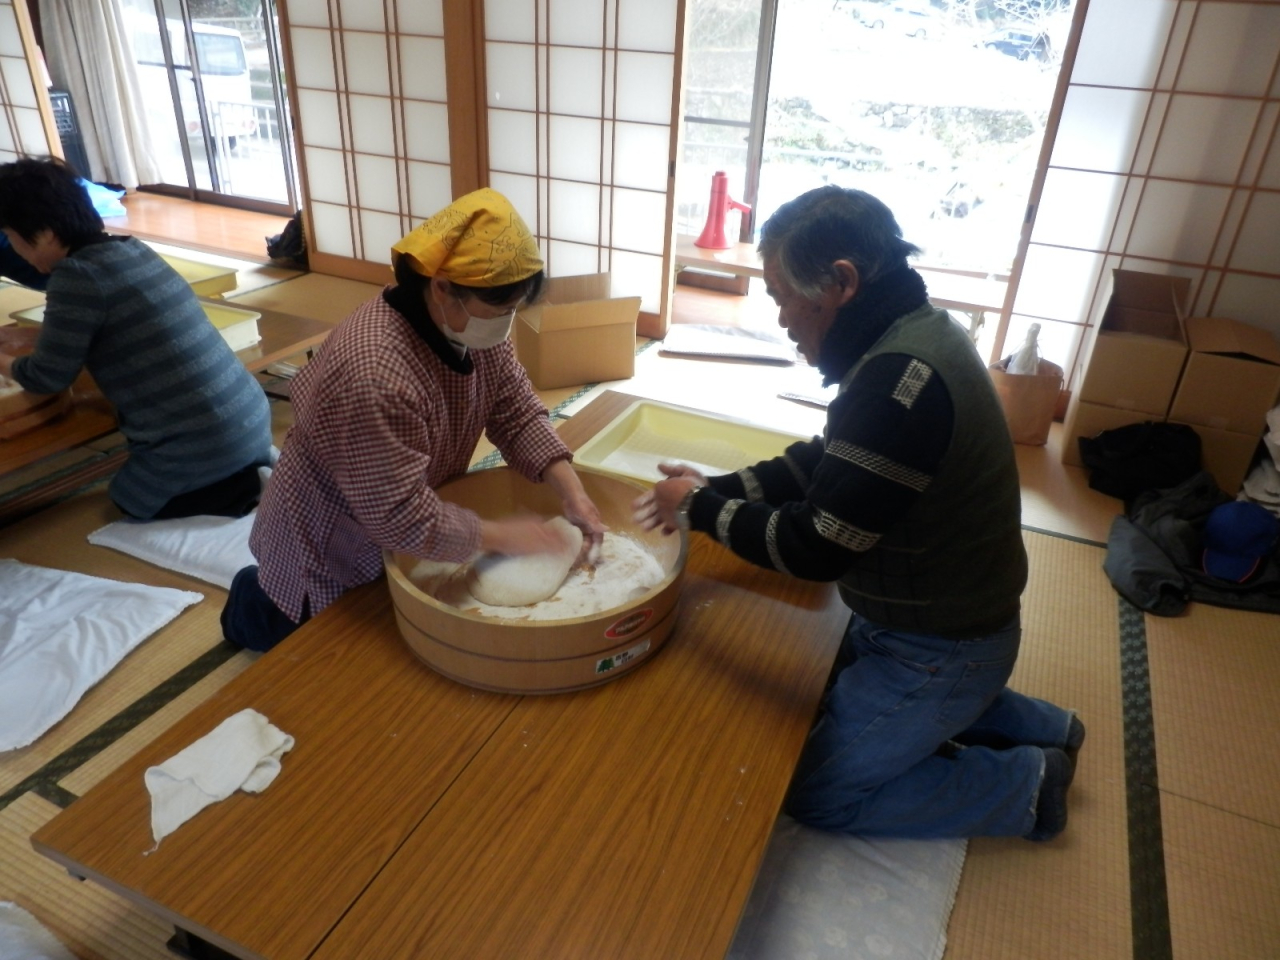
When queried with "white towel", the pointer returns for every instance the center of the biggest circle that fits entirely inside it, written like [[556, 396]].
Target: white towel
[[241, 753], [22, 937], [211, 549], [827, 896], [62, 632]]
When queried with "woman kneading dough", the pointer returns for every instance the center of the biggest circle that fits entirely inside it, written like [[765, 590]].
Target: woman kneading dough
[[393, 406]]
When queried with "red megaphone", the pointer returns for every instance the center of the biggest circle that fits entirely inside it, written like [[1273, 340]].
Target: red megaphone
[[713, 237]]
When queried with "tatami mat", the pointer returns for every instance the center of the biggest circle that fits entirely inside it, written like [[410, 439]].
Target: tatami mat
[[88, 774], [91, 921], [56, 538], [312, 295], [1068, 898], [1214, 676], [1215, 673], [1224, 879]]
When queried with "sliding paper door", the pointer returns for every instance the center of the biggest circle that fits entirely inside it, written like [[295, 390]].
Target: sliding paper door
[[580, 97]]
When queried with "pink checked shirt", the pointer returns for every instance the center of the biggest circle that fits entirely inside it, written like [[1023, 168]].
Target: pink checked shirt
[[381, 421]]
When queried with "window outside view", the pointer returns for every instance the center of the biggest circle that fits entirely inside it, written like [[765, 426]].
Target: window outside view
[[938, 109], [234, 64]]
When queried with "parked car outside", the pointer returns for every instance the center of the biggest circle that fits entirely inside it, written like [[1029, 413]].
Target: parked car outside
[[1022, 44]]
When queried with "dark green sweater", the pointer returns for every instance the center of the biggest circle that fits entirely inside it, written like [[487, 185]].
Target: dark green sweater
[[911, 500]]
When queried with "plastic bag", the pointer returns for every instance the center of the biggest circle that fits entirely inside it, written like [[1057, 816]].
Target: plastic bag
[[104, 200], [1027, 360]]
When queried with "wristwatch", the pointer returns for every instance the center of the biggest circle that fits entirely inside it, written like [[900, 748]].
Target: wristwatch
[[682, 510]]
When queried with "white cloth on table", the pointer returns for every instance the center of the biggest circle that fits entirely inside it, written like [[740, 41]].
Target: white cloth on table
[[241, 753], [60, 633], [829, 896], [211, 549], [23, 937]]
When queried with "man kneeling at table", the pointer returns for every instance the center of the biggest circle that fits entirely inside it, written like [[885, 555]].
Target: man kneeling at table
[[393, 406], [911, 502], [197, 423]]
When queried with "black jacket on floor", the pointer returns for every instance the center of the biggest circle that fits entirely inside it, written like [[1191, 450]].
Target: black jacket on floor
[[1154, 554]]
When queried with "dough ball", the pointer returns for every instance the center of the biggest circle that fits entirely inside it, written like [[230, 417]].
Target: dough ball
[[505, 581]]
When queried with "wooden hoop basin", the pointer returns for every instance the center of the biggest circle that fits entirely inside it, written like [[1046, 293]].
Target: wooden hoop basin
[[539, 656]]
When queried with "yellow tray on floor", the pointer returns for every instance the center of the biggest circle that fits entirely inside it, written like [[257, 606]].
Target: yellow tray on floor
[[648, 433]]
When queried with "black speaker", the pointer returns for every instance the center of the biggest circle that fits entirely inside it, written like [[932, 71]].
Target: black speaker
[[64, 115]]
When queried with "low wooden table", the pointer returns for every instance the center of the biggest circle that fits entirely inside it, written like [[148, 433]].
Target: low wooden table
[[420, 818]]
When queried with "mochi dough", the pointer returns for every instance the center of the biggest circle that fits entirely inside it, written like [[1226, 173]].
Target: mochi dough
[[506, 581]]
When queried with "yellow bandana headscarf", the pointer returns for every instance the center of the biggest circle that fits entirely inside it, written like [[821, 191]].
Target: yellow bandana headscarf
[[478, 241]]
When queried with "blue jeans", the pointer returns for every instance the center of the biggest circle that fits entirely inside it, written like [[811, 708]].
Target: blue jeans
[[877, 763]]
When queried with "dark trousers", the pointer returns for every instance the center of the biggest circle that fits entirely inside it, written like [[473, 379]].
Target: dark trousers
[[232, 496], [251, 619]]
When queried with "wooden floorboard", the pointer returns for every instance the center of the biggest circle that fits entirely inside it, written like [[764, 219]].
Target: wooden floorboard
[[201, 226]]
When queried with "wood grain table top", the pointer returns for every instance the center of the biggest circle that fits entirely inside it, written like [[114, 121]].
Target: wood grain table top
[[420, 818]]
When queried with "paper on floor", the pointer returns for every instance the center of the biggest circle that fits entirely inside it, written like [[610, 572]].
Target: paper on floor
[[62, 632], [241, 753], [23, 937], [827, 896]]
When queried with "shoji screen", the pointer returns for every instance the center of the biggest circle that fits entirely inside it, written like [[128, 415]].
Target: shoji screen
[[26, 124], [368, 81], [580, 96], [1166, 161]]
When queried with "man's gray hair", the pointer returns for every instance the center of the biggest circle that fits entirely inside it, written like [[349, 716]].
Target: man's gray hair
[[807, 235]]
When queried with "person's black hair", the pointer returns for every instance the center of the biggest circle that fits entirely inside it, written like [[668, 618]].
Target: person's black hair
[[808, 234], [45, 193], [526, 291]]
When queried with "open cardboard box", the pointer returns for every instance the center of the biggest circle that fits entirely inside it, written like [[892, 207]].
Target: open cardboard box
[[1232, 377], [577, 333], [1141, 346]]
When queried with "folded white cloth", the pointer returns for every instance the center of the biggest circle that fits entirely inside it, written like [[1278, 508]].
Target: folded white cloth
[[62, 632], [241, 753], [23, 937], [211, 549], [827, 896]]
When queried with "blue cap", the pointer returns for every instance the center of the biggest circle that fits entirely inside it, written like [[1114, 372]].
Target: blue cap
[[1238, 537]]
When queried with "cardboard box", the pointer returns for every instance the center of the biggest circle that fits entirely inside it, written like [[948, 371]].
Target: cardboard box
[[1140, 348], [1232, 376], [1226, 454], [577, 334], [1086, 419]]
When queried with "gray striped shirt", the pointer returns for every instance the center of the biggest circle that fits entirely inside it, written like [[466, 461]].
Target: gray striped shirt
[[191, 412]]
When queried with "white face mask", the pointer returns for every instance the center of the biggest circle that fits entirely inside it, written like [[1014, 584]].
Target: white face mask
[[481, 332]]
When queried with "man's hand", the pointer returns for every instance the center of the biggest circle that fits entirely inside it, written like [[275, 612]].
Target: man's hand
[[658, 507]]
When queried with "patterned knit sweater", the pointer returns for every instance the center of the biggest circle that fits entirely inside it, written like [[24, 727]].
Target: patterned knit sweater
[[911, 498], [190, 411]]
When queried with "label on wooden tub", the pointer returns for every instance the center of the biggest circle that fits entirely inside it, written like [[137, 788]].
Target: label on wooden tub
[[606, 664]]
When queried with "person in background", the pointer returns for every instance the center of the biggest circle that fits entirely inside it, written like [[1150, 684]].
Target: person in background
[[14, 267], [197, 424], [391, 407], [911, 503]]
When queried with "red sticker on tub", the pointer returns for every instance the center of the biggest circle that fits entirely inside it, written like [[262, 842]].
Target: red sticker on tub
[[629, 624]]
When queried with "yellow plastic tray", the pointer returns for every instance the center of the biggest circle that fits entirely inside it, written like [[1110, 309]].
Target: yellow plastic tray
[[206, 279], [219, 314], [648, 433]]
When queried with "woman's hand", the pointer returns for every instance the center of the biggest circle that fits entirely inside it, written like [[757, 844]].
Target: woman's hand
[[517, 536], [579, 509]]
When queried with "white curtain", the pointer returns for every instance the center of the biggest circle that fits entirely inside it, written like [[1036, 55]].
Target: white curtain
[[89, 54]]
